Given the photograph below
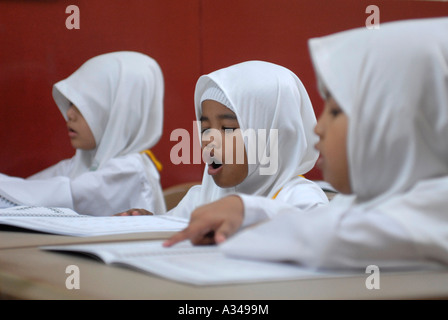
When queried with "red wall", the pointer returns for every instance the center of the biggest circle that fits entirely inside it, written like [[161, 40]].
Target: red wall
[[187, 37]]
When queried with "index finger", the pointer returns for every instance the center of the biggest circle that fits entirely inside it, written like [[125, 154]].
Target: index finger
[[195, 230], [121, 214], [177, 237]]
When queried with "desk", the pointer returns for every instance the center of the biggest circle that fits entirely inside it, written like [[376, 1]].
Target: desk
[[24, 239], [29, 273]]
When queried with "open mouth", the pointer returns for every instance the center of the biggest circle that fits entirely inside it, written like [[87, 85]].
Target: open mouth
[[71, 132], [214, 168], [215, 165]]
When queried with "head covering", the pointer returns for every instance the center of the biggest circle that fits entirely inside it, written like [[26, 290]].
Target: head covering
[[393, 85], [215, 93], [265, 96], [120, 95]]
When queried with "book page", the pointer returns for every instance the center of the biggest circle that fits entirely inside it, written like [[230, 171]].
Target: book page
[[84, 226], [197, 265], [6, 202], [31, 211]]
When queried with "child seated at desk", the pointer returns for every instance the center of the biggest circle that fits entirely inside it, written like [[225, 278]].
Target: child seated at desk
[[250, 99], [113, 105], [383, 146]]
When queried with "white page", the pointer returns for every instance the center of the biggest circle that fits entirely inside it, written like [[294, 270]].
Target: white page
[[198, 265], [6, 202], [96, 226], [32, 211]]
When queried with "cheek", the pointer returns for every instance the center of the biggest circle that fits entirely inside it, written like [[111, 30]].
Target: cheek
[[337, 171], [233, 174], [89, 137]]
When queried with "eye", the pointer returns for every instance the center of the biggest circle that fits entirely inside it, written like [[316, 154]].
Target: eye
[[204, 130], [335, 112], [334, 109]]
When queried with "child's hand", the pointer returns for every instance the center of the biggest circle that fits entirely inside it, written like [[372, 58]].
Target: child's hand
[[212, 223], [135, 212]]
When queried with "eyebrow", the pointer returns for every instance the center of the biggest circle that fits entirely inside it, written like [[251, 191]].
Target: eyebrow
[[226, 116]]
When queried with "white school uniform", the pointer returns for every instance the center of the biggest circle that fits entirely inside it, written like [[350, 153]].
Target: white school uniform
[[270, 97], [120, 95], [394, 90]]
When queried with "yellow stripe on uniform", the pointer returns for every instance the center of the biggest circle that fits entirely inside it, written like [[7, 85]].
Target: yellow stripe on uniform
[[276, 194], [153, 158]]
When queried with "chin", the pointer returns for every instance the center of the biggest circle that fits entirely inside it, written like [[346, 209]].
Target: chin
[[226, 184], [222, 184], [340, 187]]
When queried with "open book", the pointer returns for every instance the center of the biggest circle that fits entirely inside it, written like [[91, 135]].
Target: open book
[[197, 265], [31, 211], [6, 202], [63, 221]]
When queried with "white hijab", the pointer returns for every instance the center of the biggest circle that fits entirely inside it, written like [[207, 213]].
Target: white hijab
[[393, 85], [264, 96], [120, 94]]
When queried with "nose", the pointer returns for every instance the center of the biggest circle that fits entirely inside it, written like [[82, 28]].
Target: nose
[[71, 114], [209, 147], [212, 138], [206, 139], [319, 128]]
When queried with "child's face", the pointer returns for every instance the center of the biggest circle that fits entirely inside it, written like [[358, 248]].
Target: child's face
[[218, 126], [79, 131], [332, 131]]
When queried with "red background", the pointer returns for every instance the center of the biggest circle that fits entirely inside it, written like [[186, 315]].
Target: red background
[[187, 37]]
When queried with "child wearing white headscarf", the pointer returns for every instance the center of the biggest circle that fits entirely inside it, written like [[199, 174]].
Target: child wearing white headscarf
[[269, 97], [120, 97], [390, 88]]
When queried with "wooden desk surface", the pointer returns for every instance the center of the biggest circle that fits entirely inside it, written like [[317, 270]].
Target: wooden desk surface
[[30, 273], [24, 239]]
